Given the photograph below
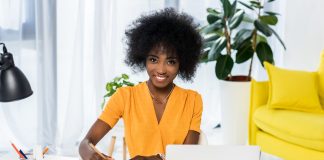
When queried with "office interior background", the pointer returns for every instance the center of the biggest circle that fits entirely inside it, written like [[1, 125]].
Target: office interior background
[[69, 50]]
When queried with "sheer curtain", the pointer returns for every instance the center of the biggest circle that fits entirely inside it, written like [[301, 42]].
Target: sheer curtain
[[90, 53], [68, 50], [28, 29]]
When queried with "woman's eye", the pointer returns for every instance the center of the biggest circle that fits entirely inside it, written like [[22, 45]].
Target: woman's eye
[[172, 62], [153, 60]]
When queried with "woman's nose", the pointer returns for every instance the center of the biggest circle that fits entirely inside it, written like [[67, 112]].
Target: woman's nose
[[161, 68]]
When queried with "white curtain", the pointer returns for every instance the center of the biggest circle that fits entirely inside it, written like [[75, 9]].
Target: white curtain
[[46, 68], [68, 59], [90, 53], [29, 30]]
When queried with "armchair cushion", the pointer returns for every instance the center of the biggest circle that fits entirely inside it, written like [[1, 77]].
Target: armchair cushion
[[294, 90], [301, 128]]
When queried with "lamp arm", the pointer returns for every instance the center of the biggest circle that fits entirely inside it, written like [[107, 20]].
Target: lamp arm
[[6, 59], [4, 48]]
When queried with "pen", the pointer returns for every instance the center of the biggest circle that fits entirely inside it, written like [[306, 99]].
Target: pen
[[95, 149], [20, 155], [45, 151], [23, 154]]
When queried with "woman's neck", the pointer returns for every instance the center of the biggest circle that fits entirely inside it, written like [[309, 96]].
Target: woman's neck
[[160, 91]]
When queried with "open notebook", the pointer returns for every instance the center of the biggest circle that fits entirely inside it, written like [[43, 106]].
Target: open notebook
[[210, 152]]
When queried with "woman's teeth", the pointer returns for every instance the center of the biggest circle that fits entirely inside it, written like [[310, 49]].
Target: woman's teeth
[[160, 78]]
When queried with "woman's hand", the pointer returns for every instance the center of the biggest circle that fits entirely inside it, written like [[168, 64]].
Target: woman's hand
[[154, 157], [96, 132], [88, 153]]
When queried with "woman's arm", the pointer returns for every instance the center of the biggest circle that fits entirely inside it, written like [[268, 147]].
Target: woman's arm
[[192, 137], [96, 132]]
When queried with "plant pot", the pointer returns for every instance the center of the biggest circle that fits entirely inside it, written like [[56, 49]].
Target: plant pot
[[234, 101]]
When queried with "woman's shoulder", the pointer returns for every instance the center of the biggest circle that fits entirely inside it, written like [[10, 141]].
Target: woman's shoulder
[[130, 89], [189, 92]]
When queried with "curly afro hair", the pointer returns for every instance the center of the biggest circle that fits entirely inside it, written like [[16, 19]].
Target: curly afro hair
[[174, 31]]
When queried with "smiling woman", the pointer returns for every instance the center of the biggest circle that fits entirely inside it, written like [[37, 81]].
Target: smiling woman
[[156, 112]]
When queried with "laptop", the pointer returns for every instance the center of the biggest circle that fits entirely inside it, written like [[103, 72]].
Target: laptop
[[212, 152]]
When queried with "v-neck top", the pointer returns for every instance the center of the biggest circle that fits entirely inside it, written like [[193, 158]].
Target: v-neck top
[[143, 134]]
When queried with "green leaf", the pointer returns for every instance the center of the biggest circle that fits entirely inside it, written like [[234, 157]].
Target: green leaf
[[233, 8], [247, 19], [272, 13], [278, 37], [227, 8], [212, 18], [116, 79], [261, 38], [269, 1], [245, 51], [106, 95], [256, 4], [125, 76], [224, 66], [213, 11], [269, 19], [263, 28], [207, 45], [204, 57], [119, 85], [240, 36], [200, 28], [111, 93], [236, 19], [264, 53], [212, 27], [246, 5], [216, 49], [109, 86], [211, 37], [128, 83]]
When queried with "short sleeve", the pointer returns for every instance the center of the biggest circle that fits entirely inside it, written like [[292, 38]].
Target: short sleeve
[[196, 118], [114, 109]]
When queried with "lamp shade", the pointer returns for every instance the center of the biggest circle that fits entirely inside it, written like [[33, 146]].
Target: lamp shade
[[13, 83]]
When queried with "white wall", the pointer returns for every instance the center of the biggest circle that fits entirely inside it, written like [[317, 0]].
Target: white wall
[[304, 34]]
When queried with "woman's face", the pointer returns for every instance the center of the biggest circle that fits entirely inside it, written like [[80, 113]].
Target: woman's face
[[162, 67]]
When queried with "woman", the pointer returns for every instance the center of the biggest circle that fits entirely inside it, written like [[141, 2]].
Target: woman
[[155, 112]]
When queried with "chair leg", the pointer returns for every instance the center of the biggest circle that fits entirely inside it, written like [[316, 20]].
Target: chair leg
[[124, 149], [111, 146]]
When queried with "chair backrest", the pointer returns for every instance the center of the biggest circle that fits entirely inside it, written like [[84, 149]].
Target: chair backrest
[[202, 139]]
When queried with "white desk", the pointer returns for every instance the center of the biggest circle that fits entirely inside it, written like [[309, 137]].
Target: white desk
[[13, 156]]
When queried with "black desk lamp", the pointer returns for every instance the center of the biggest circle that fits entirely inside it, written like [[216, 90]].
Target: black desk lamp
[[13, 83]]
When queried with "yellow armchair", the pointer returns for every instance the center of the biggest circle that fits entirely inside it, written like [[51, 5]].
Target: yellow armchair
[[289, 134]]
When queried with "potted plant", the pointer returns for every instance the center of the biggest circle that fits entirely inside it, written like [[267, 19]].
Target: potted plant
[[220, 43], [113, 85], [233, 37]]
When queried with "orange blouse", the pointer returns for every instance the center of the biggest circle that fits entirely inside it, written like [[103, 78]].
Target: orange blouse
[[144, 135]]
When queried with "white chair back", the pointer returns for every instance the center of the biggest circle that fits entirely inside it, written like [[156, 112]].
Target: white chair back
[[202, 139]]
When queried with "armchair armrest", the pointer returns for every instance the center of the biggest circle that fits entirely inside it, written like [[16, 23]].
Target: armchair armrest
[[258, 97]]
